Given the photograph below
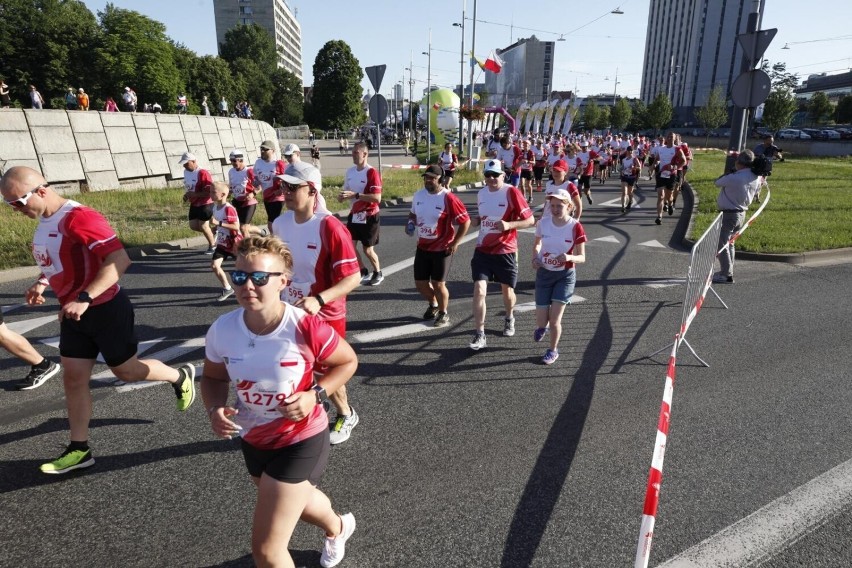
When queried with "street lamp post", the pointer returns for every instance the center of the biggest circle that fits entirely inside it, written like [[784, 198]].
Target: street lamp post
[[472, 49], [429, 100]]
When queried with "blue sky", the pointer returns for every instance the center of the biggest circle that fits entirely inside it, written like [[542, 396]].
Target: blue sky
[[597, 44]]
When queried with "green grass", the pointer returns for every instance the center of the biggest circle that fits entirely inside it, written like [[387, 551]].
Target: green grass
[[159, 215], [810, 206]]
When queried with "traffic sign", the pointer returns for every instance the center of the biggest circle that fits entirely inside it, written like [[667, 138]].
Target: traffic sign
[[751, 88], [754, 44], [375, 74], [378, 108]]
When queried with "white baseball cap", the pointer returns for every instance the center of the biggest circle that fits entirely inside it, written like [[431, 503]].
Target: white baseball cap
[[187, 157], [560, 194], [495, 166], [236, 153], [290, 149], [301, 172]]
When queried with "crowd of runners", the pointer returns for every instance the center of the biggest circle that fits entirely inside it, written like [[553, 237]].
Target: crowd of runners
[[282, 356]]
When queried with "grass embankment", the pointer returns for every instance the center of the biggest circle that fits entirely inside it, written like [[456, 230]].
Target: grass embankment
[[810, 207], [159, 215]]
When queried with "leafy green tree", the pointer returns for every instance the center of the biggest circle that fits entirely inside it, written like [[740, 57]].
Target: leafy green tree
[[819, 108], [337, 87], [250, 42], [779, 76], [639, 116], [779, 108], [603, 118], [136, 52], [659, 113], [621, 114], [287, 98], [843, 112], [714, 113], [591, 114], [212, 77]]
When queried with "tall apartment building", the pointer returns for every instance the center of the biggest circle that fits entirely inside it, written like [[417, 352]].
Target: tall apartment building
[[691, 47], [272, 15], [527, 74]]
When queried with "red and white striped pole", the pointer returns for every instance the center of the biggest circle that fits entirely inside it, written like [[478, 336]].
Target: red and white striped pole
[[655, 477]]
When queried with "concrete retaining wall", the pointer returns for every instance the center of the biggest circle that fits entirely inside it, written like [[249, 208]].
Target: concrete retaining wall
[[95, 151]]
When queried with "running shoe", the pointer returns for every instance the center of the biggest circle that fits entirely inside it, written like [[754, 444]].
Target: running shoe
[[623, 209], [550, 357], [365, 277], [539, 334], [334, 548], [377, 278], [658, 221], [669, 208], [37, 377], [720, 278], [210, 250], [430, 313], [509, 327], [69, 461], [630, 204], [589, 197], [226, 293], [443, 319], [185, 387], [479, 341], [343, 429]]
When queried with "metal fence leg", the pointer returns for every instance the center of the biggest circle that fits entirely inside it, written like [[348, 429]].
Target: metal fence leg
[[718, 297], [660, 350], [694, 354]]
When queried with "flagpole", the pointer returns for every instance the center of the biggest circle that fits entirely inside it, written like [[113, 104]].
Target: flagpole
[[472, 51]]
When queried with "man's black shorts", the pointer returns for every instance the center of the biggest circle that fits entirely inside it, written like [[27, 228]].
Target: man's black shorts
[[666, 183], [502, 268], [201, 212], [365, 233], [302, 461], [273, 209], [585, 182], [106, 329], [430, 265], [538, 172], [223, 254], [526, 174]]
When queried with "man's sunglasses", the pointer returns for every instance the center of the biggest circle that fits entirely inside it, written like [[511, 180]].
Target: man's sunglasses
[[293, 187], [492, 174], [22, 200], [258, 278]]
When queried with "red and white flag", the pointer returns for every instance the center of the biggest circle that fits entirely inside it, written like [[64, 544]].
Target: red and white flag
[[493, 63]]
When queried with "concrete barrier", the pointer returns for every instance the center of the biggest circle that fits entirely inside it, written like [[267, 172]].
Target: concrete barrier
[[96, 151]]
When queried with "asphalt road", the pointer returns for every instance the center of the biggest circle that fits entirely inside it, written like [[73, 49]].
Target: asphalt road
[[463, 458]]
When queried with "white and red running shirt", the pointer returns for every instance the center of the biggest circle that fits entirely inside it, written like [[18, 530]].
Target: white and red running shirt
[[511, 158], [226, 238], [665, 158], [552, 188], [281, 363], [366, 181], [558, 240], [197, 186], [323, 255], [264, 173], [447, 161], [69, 247], [585, 163], [241, 184], [505, 204], [434, 217]]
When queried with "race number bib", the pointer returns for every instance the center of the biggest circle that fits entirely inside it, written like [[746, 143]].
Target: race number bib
[[267, 394], [360, 217], [426, 232], [665, 174], [296, 291], [222, 239], [490, 225], [238, 191], [45, 263]]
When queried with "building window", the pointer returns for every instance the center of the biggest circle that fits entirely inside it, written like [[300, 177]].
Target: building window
[[246, 21], [245, 10]]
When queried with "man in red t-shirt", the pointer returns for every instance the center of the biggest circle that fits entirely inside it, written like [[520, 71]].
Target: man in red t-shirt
[[82, 260], [197, 183], [363, 186], [434, 210]]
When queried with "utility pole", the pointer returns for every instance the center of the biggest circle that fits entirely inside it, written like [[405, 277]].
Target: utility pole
[[472, 50], [461, 78]]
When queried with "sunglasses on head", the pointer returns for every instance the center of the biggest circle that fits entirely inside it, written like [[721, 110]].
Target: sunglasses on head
[[492, 174], [22, 200], [258, 278]]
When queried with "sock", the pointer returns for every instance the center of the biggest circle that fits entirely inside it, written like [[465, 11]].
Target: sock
[[43, 366], [82, 446]]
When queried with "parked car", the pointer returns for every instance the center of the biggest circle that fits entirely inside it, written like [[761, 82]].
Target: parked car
[[792, 134], [814, 133], [829, 134], [845, 133]]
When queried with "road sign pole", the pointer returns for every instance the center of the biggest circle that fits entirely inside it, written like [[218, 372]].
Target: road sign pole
[[739, 120]]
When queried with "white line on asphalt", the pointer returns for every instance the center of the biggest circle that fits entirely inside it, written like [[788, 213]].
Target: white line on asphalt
[[769, 530], [654, 243], [24, 326], [664, 283], [408, 262], [165, 356], [607, 239], [142, 348]]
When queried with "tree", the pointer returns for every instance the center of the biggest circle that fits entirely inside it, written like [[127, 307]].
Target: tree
[[659, 112], [843, 112], [250, 42], [136, 52], [287, 98], [212, 77], [603, 118], [639, 116], [591, 114], [819, 108], [779, 76], [621, 114], [779, 108], [714, 113], [336, 95]]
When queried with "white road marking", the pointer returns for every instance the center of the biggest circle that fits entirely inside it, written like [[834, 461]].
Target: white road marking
[[142, 348], [664, 283], [24, 326], [409, 262], [607, 239], [612, 203], [165, 356], [652, 244], [769, 530]]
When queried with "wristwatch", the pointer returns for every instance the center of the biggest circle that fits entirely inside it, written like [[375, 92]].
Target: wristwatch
[[84, 297], [322, 397]]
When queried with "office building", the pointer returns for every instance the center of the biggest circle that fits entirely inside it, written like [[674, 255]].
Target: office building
[[527, 73], [691, 46], [272, 15]]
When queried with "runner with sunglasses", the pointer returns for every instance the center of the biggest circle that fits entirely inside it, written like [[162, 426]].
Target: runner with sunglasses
[[241, 184], [267, 351], [325, 267], [82, 259]]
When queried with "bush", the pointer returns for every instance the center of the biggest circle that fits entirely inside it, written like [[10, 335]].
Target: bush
[[318, 133]]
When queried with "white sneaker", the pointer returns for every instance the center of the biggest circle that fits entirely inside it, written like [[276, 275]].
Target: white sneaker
[[335, 548], [365, 278], [226, 293], [509, 327], [343, 428]]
